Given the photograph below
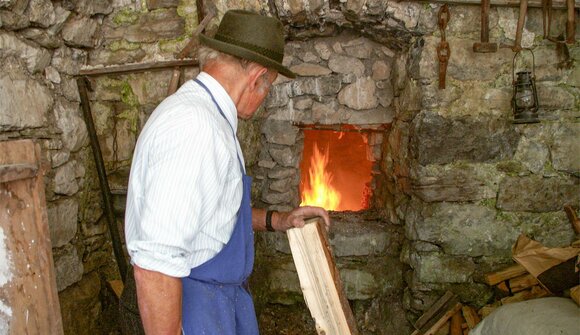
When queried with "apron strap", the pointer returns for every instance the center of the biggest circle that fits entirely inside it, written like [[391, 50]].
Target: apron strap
[[224, 116]]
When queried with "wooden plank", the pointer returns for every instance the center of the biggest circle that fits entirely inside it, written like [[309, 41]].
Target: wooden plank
[[434, 309], [319, 280], [28, 297], [507, 273], [560, 4], [443, 319], [517, 284]]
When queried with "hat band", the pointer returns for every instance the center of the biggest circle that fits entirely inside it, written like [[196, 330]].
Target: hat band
[[276, 56]]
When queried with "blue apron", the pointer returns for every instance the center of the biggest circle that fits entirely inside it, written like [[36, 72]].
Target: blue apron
[[216, 300]]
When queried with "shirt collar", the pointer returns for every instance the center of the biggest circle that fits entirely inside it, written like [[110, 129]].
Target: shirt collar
[[222, 97]]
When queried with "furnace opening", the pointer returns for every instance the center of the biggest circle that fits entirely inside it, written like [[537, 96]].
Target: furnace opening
[[336, 170]]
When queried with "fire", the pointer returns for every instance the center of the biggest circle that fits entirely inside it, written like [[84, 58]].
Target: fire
[[320, 192]]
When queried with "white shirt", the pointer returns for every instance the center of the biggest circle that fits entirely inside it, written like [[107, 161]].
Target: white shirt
[[185, 185]]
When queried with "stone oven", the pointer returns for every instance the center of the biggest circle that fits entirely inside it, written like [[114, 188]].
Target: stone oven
[[338, 112]]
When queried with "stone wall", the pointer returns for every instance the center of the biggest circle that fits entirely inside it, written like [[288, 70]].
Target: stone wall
[[472, 180], [455, 182]]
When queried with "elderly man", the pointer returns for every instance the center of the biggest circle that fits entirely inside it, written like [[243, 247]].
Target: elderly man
[[189, 224]]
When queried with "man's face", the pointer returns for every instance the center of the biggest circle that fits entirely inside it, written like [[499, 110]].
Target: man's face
[[253, 97]]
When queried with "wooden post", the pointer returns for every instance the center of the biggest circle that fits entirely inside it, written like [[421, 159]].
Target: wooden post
[[28, 295], [320, 280]]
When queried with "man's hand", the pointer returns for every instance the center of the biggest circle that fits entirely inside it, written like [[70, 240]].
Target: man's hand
[[296, 217]]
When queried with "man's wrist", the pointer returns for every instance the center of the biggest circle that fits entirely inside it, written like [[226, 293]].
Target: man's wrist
[[269, 214]]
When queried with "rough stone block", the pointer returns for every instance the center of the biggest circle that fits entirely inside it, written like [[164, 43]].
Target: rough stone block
[[68, 267], [346, 65], [439, 140], [92, 7], [69, 60], [156, 4], [64, 179], [448, 224], [360, 48], [461, 182], [310, 70], [36, 58], [439, 268], [156, 25], [566, 142], [25, 102], [279, 132], [284, 156], [319, 86], [63, 221], [538, 194], [70, 122], [359, 95], [41, 12], [359, 284], [80, 32], [279, 95]]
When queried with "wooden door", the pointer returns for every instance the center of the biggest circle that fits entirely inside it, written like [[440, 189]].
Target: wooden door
[[28, 296]]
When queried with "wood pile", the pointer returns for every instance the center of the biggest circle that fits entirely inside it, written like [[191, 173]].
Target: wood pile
[[449, 316]]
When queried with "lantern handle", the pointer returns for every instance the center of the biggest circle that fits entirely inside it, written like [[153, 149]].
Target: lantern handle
[[514, 63]]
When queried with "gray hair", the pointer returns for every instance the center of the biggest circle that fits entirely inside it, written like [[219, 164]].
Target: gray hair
[[206, 54]]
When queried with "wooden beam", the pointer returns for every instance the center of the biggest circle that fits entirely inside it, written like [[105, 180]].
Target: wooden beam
[[137, 67], [558, 4], [319, 280]]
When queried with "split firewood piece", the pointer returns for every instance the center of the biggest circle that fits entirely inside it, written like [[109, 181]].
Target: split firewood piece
[[535, 292], [518, 284], [456, 321], [436, 308], [575, 294], [471, 317], [505, 274], [320, 280], [446, 316]]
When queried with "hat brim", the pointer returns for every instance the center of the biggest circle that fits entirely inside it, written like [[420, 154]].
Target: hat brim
[[244, 53]]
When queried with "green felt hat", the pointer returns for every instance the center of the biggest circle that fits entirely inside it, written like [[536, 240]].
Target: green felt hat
[[252, 37]]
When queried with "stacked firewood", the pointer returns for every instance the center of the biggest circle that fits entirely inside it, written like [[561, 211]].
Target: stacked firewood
[[447, 316], [515, 284]]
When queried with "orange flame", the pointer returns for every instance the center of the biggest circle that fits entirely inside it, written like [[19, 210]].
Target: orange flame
[[320, 191]]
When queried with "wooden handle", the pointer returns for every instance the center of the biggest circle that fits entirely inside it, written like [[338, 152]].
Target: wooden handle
[[485, 4], [520, 27], [570, 23], [174, 82], [571, 213]]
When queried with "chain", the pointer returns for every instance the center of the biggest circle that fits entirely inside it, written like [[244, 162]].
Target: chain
[[443, 51]]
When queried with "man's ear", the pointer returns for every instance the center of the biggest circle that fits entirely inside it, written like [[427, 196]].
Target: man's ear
[[256, 71]]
